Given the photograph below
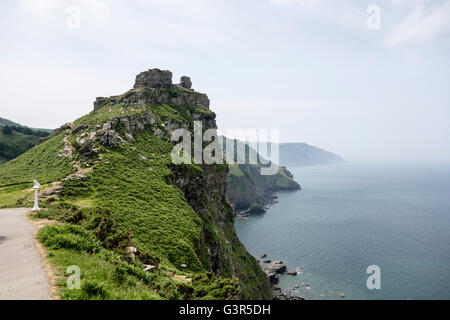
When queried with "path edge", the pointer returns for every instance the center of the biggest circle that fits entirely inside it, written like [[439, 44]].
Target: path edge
[[49, 268]]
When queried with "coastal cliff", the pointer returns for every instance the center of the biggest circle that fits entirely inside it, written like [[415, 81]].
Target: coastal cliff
[[108, 180], [248, 190]]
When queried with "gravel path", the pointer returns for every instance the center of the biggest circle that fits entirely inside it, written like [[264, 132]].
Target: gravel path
[[22, 276]]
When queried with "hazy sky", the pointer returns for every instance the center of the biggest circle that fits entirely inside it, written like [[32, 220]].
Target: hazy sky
[[311, 68]]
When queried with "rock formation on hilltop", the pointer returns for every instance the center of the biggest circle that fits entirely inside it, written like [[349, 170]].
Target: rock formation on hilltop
[[155, 87]]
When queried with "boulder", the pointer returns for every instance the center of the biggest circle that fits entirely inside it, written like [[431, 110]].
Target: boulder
[[64, 127], [256, 208], [129, 137], [110, 138], [154, 78], [49, 192], [131, 252], [276, 266], [131, 249], [149, 267], [100, 102], [186, 82], [291, 272], [86, 147], [272, 276]]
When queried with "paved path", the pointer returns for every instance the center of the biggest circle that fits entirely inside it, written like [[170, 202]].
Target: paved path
[[21, 274]]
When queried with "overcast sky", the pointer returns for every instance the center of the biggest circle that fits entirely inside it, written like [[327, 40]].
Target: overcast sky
[[311, 68]]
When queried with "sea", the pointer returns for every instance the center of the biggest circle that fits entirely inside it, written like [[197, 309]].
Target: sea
[[348, 217]]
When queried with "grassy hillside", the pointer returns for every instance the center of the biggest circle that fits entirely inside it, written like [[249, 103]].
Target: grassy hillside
[[15, 139], [108, 181], [5, 122]]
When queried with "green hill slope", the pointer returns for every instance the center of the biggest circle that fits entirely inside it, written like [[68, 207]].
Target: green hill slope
[[109, 180], [5, 122], [15, 139]]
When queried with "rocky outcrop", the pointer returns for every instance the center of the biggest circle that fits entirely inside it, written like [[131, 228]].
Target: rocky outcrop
[[110, 138], [155, 87], [277, 267], [87, 147], [100, 102], [278, 294], [186, 82], [154, 78]]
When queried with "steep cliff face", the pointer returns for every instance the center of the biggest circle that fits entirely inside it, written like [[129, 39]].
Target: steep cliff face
[[248, 190], [110, 172], [225, 255]]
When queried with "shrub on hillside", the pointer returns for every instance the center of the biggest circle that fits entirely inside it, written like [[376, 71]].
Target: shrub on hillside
[[68, 236], [7, 130]]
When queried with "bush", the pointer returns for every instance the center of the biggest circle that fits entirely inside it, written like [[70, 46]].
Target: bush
[[68, 236], [208, 286], [92, 289], [107, 231], [7, 130]]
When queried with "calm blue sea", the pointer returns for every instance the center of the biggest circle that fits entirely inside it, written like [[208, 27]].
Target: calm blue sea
[[349, 216]]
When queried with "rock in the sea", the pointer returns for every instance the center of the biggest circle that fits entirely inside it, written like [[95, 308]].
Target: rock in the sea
[[263, 255], [278, 294], [291, 272], [276, 266], [272, 276], [267, 261], [256, 208]]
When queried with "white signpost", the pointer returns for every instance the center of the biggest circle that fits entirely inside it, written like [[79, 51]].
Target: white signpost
[[36, 188]]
